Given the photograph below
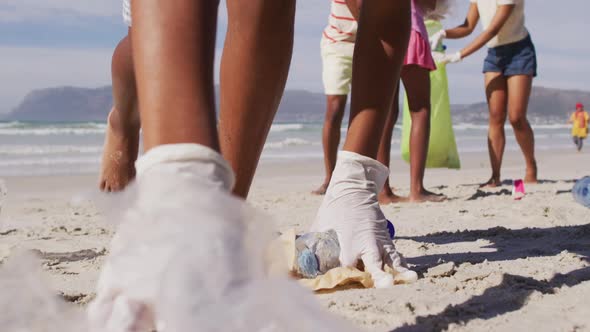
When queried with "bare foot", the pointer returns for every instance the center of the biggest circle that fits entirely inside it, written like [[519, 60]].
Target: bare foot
[[531, 175], [120, 152], [492, 183], [321, 190], [427, 196], [391, 198]]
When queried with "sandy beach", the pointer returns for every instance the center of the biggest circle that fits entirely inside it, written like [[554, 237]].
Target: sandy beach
[[486, 262]]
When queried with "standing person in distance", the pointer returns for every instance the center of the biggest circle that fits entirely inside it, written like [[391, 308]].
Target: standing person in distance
[[509, 69]]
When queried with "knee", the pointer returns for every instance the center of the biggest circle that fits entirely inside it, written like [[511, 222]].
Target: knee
[[419, 103], [335, 109], [334, 118], [420, 112], [518, 122], [497, 120]]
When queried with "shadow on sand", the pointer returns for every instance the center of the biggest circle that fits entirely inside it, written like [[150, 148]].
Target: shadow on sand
[[483, 194], [514, 291], [509, 244], [509, 183], [510, 295]]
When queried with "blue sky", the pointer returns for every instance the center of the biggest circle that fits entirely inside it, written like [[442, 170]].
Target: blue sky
[[47, 43]]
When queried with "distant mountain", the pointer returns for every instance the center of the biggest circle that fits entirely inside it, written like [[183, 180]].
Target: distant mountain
[[546, 105], [72, 104], [64, 104]]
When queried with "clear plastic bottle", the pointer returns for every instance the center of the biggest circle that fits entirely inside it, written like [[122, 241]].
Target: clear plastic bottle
[[317, 253], [581, 191]]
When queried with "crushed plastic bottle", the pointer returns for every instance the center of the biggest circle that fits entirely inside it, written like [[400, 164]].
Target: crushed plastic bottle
[[319, 252], [581, 191]]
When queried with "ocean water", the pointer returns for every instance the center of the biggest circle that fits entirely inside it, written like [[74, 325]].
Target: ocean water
[[75, 148]]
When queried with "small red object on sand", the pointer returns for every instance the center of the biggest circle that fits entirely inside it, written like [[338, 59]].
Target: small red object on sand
[[518, 189]]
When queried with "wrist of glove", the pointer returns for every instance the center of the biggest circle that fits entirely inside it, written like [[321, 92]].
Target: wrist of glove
[[437, 38], [452, 58]]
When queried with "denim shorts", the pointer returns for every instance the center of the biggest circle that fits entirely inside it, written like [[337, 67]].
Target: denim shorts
[[519, 58]]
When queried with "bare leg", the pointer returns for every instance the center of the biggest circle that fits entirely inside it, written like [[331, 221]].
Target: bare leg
[[254, 70], [335, 105], [378, 56], [174, 71], [417, 82], [386, 196], [519, 91], [351, 206], [122, 135], [497, 96]]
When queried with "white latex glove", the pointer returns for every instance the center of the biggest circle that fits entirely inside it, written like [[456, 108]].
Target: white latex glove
[[351, 208], [437, 38], [452, 58], [152, 233], [189, 256]]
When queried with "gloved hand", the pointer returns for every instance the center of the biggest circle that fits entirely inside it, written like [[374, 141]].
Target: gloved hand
[[436, 38], [153, 235], [452, 58], [351, 208], [184, 258]]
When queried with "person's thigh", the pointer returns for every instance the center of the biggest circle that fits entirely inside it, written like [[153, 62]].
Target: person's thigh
[[417, 83], [519, 92], [497, 97]]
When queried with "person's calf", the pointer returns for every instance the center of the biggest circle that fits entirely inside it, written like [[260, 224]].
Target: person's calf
[[531, 172], [331, 136]]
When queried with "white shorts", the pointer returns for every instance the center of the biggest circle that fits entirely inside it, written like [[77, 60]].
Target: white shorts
[[127, 12], [336, 67]]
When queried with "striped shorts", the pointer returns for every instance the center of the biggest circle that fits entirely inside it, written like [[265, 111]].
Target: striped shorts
[[127, 12]]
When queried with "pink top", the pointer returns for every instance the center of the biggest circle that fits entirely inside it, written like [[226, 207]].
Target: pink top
[[418, 20], [418, 46]]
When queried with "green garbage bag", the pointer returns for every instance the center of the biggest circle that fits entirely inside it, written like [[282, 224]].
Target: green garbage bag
[[442, 148]]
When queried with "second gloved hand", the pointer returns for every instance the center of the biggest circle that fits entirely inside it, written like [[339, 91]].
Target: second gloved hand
[[452, 58], [436, 39], [351, 208]]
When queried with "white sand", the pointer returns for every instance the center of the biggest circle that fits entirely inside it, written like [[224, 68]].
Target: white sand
[[487, 262]]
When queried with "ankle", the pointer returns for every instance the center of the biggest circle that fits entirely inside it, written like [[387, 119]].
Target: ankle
[[415, 192], [385, 193], [532, 165]]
